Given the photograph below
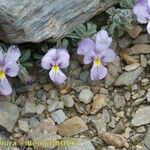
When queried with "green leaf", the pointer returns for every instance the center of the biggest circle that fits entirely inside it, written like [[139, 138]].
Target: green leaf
[[91, 29], [65, 43], [128, 4], [27, 64], [81, 30], [37, 56], [25, 56]]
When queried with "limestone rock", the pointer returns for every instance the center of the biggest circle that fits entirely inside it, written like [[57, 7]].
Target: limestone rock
[[35, 21]]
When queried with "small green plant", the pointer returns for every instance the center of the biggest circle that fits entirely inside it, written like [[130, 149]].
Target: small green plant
[[127, 4]]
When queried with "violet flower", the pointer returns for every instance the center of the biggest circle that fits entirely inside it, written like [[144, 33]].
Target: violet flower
[[8, 67], [98, 52], [56, 59], [142, 11]]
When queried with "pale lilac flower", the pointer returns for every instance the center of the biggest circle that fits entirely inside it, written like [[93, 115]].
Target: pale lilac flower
[[142, 11], [98, 52], [8, 67], [56, 59]]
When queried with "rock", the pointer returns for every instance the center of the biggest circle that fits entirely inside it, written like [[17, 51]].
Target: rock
[[41, 95], [115, 139], [127, 58], [141, 117], [119, 101], [48, 87], [9, 114], [28, 109], [33, 122], [100, 124], [144, 38], [127, 95], [124, 42], [109, 80], [132, 67], [146, 141], [54, 105], [39, 109], [120, 128], [22, 24], [139, 49], [135, 31], [85, 96], [84, 76], [67, 100], [148, 95], [72, 127], [45, 131], [23, 125], [106, 115], [80, 144], [128, 78], [59, 116], [99, 101], [143, 61]]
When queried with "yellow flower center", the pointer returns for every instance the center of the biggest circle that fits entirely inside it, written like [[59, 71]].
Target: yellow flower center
[[97, 61], [55, 68], [2, 75]]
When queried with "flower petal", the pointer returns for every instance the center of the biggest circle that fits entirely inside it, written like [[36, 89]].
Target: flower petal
[[1, 56], [5, 87], [11, 69], [103, 41], [141, 10], [108, 55], [86, 45], [98, 72], [63, 58], [49, 59], [13, 54], [57, 77], [89, 57], [148, 27]]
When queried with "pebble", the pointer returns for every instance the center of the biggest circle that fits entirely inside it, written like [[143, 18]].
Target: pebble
[[39, 109], [132, 67], [29, 109], [100, 124], [85, 96], [128, 78], [72, 127], [135, 31], [23, 125], [59, 116], [106, 115], [148, 95], [146, 141], [99, 101], [41, 95], [119, 101], [143, 61], [141, 129], [9, 114], [45, 131], [115, 140], [54, 105], [143, 38], [127, 95], [141, 117], [33, 122], [139, 49], [124, 42], [80, 144], [53, 94], [67, 100]]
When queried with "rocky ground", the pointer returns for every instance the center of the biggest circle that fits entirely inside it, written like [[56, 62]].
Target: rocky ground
[[104, 115]]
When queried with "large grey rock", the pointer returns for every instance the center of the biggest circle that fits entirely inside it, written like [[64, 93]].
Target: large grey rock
[[142, 116], [128, 78], [9, 114], [35, 21]]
